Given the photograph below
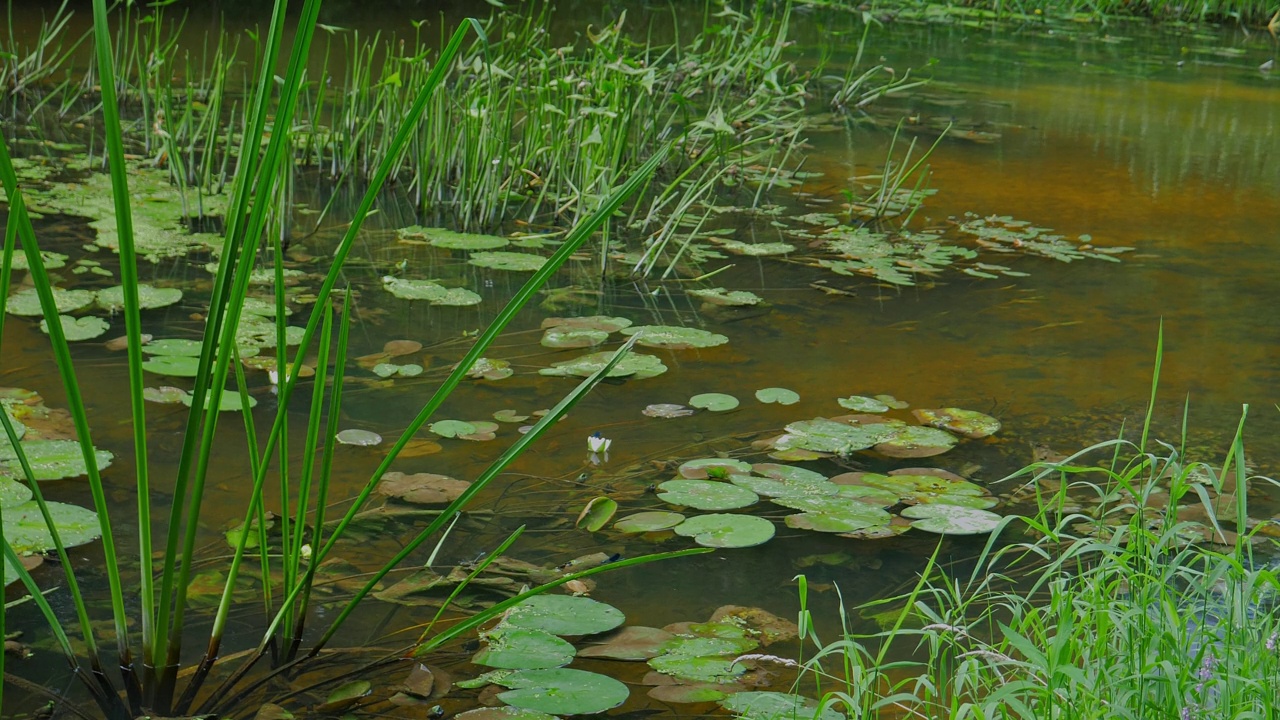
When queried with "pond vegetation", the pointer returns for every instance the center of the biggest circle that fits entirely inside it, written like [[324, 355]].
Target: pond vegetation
[[398, 263]]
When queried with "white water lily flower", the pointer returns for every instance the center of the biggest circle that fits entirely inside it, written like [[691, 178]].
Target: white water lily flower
[[597, 443]]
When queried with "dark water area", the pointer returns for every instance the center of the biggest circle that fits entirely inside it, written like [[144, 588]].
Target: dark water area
[[1163, 141]]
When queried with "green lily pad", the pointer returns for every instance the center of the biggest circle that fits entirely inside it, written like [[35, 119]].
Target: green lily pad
[[490, 369], [708, 646], [228, 400], [916, 441], [774, 487], [563, 691], [172, 365], [112, 298], [738, 247], [758, 705], [699, 668], [503, 713], [969, 423], [516, 648], [788, 473], [706, 495], [666, 410], [720, 296], [597, 513], [722, 530], [386, 370], [356, 436], [82, 328], [565, 615], [450, 240], [830, 436], [51, 459], [173, 347], [650, 521], [165, 395], [509, 416], [715, 402], [565, 337], [50, 260], [434, 293], [452, 428], [837, 522], [691, 692], [893, 402], [670, 337], [633, 365], [951, 519], [504, 260], [25, 529], [704, 467], [26, 302], [781, 396], [13, 493], [860, 403], [602, 323]]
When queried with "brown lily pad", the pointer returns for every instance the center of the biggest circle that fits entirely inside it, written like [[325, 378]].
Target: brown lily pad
[[634, 642], [422, 488]]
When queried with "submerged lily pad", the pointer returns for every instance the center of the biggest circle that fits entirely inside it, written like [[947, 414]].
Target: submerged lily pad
[[715, 402], [758, 705], [666, 410], [602, 323], [434, 293], [565, 615], [951, 519], [356, 436], [634, 365], [516, 648], [26, 302], [781, 396], [112, 298], [490, 369], [649, 521], [26, 531], [567, 337], [722, 530], [82, 328], [706, 495], [422, 488], [738, 247], [51, 459], [630, 643], [720, 296], [563, 691], [969, 423], [671, 337], [504, 260]]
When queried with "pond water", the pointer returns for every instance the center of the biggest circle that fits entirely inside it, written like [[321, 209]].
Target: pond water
[[1162, 141]]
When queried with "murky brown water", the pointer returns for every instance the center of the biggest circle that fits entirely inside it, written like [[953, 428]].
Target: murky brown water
[[1106, 136]]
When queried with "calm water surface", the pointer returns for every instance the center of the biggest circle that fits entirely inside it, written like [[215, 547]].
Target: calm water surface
[[1158, 142]]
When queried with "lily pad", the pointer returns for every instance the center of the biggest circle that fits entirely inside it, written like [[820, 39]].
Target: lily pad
[[715, 669], [917, 442], [25, 529], [602, 323], [715, 402], [356, 436], [173, 347], [82, 328], [781, 396], [671, 337], [951, 519], [634, 365], [830, 436], [509, 416], [51, 459], [630, 643], [706, 495], [723, 530], [758, 705], [504, 260], [422, 488], [666, 410], [503, 713], [597, 513], [860, 403], [490, 369], [112, 298], [172, 365], [451, 428], [564, 337], [516, 648], [563, 691], [969, 423], [565, 615], [434, 293], [738, 247], [893, 402], [720, 296], [228, 400], [650, 521], [50, 261], [931, 488], [448, 239], [164, 395], [13, 493], [386, 370], [704, 467], [26, 302]]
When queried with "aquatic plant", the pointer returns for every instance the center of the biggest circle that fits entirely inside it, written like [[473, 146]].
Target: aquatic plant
[[153, 676]]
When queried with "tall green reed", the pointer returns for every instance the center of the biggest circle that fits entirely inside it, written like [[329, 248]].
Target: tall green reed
[[151, 676]]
